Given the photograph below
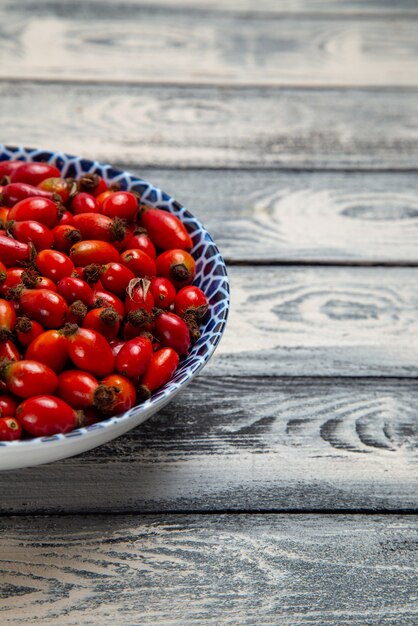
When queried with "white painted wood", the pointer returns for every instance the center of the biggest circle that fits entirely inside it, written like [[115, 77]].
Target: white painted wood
[[189, 127], [326, 321], [272, 7], [325, 217], [209, 570], [136, 43], [245, 444]]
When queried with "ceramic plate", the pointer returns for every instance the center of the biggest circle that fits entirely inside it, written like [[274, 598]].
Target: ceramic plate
[[211, 277]]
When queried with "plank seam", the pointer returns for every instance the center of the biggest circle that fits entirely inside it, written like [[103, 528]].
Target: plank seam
[[318, 263], [230, 512], [238, 86]]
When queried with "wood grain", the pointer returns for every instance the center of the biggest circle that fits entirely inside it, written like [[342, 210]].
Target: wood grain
[[313, 8], [183, 127], [94, 41], [245, 444], [209, 570], [327, 321], [316, 217]]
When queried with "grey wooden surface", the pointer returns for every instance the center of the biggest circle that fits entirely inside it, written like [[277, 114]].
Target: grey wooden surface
[[206, 569], [290, 129]]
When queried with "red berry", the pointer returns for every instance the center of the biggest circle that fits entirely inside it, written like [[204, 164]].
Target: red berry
[[191, 301], [30, 231], [39, 209], [27, 378], [54, 265], [121, 204], [66, 218], [27, 330], [98, 226], [81, 390], [9, 351], [161, 368], [166, 230], [65, 236], [139, 263], [163, 291], [93, 251], [140, 241], [12, 251], [172, 331], [15, 192], [178, 266], [8, 406], [45, 415], [7, 319], [56, 185], [8, 167], [10, 429], [44, 306], [101, 197], [73, 289], [84, 203], [125, 394], [90, 351], [34, 173], [116, 278], [134, 357], [50, 348], [105, 320], [107, 299]]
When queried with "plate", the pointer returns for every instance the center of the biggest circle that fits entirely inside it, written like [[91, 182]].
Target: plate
[[211, 277]]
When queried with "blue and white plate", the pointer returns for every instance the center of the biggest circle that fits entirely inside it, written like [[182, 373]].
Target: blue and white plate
[[211, 277]]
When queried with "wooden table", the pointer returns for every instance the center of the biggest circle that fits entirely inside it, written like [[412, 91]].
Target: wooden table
[[280, 487]]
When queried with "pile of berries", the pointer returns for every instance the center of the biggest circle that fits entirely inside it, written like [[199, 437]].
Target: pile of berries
[[96, 300]]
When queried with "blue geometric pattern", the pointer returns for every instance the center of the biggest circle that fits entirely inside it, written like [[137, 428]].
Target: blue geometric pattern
[[211, 275]]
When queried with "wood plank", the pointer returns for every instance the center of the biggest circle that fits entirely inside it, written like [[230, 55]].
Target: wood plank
[[214, 127], [94, 41], [245, 444], [315, 217], [272, 7], [326, 321], [209, 570]]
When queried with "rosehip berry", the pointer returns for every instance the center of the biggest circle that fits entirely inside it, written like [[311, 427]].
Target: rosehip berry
[[10, 429], [166, 230], [65, 236], [139, 263], [178, 266], [33, 232], [163, 291], [125, 394], [27, 378], [8, 406], [44, 306], [34, 173], [54, 265], [116, 277], [82, 390], [89, 350], [191, 301], [45, 415], [27, 330], [93, 251], [134, 357], [50, 348], [161, 368], [41, 210], [104, 320], [172, 331], [121, 204]]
